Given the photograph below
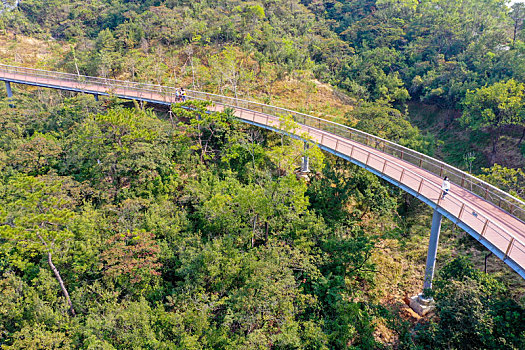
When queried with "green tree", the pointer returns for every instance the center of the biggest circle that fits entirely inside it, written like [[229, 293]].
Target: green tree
[[37, 155], [493, 107], [36, 217], [474, 312], [106, 58], [122, 152], [389, 123], [213, 135], [508, 179]]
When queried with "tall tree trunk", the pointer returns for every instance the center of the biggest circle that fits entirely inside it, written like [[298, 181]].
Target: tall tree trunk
[[253, 231], [61, 282], [76, 64], [515, 31], [192, 74], [522, 136]]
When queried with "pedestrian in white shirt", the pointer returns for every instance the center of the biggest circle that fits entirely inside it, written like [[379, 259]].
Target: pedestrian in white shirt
[[445, 187]]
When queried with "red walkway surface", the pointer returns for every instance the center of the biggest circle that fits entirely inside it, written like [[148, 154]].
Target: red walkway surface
[[498, 227]]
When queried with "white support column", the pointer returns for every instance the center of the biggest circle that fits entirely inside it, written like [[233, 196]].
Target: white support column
[[305, 165], [420, 303], [8, 88], [432, 249], [9, 92]]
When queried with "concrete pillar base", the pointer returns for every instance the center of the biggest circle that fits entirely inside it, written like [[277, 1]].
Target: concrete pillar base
[[421, 305], [302, 176]]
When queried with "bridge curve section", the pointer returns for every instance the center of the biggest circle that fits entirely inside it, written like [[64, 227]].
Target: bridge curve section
[[490, 215]]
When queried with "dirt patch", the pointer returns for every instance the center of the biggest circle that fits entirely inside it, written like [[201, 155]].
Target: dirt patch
[[311, 97], [21, 50]]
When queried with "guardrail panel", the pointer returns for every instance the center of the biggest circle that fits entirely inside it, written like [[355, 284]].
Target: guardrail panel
[[518, 252]]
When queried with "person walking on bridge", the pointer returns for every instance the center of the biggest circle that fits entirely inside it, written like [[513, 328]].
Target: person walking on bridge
[[445, 187]]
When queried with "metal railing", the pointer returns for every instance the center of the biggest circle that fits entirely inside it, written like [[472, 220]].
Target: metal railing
[[488, 192], [510, 246]]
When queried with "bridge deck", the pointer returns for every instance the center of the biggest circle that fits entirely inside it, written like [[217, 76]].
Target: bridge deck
[[499, 231]]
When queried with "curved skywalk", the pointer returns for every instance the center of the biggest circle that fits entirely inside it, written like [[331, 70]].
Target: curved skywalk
[[490, 215]]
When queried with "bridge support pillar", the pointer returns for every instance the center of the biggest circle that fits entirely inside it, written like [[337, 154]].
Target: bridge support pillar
[[305, 164], [432, 249], [421, 303], [96, 97], [9, 92], [8, 88]]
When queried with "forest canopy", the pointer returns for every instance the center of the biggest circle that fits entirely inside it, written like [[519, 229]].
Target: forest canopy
[[125, 225]]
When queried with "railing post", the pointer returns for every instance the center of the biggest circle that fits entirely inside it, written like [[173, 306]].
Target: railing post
[[432, 249], [420, 185], [507, 252], [484, 227], [460, 213]]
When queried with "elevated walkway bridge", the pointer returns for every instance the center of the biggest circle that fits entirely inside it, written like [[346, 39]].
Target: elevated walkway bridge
[[490, 215]]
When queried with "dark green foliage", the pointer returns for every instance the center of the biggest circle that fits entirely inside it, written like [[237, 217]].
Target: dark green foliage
[[434, 51], [474, 312], [494, 107], [183, 233], [347, 191], [388, 123], [188, 230]]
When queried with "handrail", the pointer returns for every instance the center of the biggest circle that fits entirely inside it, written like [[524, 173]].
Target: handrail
[[342, 135], [490, 193], [423, 182], [486, 224]]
